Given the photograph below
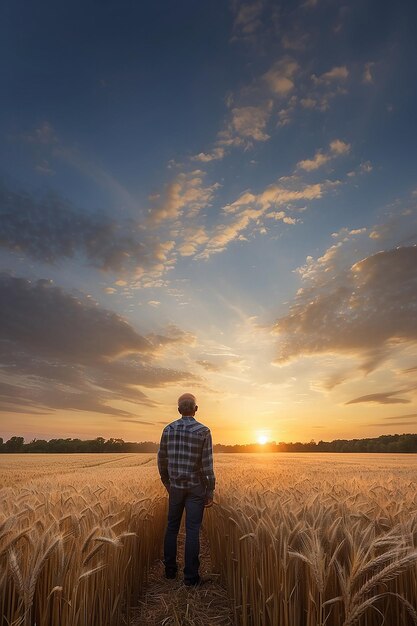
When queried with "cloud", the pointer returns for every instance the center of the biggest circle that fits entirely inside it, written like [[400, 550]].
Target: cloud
[[381, 425], [279, 77], [185, 192], [285, 114], [247, 124], [172, 335], [317, 161], [252, 208], [215, 155], [252, 106], [336, 74], [220, 363], [334, 379], [337, 147], [323, 88], [367, 77], [281, 216], [209, 366], [51, 323], [386, 397], [401, 417], [193, 237], [247, 19], [224, 234], [366, 310], [63, 351], [278, 194], [49, 229]]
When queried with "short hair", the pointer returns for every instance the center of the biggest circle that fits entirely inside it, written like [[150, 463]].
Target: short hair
[[187, 403]]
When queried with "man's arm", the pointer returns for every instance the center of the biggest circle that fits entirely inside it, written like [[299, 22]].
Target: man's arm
[[163, 459], [207, 466]]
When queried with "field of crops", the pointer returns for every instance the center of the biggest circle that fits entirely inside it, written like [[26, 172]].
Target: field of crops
[[308, 540], [298, 539], [77, 536]]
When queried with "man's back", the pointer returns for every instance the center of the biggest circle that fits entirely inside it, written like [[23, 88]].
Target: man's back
[[185, 454]]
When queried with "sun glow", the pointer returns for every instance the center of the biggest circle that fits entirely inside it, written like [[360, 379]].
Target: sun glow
[[262, 439]]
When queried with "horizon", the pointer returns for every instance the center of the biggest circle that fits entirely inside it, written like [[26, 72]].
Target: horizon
[[260, 444], [218, 198]]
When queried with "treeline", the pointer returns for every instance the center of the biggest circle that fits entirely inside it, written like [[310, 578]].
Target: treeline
[[56, 446], [384, 443]]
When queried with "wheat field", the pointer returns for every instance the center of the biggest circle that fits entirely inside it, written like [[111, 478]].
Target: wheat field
[[77, 536], [309, 539], [298, 539]]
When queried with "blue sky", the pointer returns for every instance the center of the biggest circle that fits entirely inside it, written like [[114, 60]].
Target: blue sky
[[214, 196]]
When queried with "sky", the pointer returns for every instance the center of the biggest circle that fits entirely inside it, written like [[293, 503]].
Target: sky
[[216, 197]]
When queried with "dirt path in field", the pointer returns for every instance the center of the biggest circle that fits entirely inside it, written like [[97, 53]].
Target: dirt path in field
[[170, 603]]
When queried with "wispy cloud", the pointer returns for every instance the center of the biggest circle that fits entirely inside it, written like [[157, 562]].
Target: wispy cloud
[[209, 365], [251, 208], [320, 90], [205, 157], [382, 425], [248, 20], [225, 233], [172, 335], [186, 192], [337, 148], [192, 237], [336, 74], [401, 417], [286, 190], [386, 397]]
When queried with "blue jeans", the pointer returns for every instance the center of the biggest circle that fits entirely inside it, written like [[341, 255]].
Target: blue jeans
[[192, 499]]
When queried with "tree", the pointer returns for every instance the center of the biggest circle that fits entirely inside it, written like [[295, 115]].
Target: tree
[[14, 444]]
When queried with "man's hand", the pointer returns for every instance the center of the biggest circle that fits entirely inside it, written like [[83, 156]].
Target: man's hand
[[208, 503]]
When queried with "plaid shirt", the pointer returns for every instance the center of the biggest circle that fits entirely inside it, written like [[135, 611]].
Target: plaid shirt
[[185, 456]]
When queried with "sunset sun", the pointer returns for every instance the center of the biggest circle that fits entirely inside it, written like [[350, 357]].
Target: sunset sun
[[262, 439]]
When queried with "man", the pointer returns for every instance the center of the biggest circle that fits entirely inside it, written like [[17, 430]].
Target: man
[[185, 463]]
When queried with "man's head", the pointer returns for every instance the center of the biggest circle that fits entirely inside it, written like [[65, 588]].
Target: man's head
[[187, 404]]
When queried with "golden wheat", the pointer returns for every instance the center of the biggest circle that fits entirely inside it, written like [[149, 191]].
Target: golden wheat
[[76, 541], [298, 540], [307, 540]]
